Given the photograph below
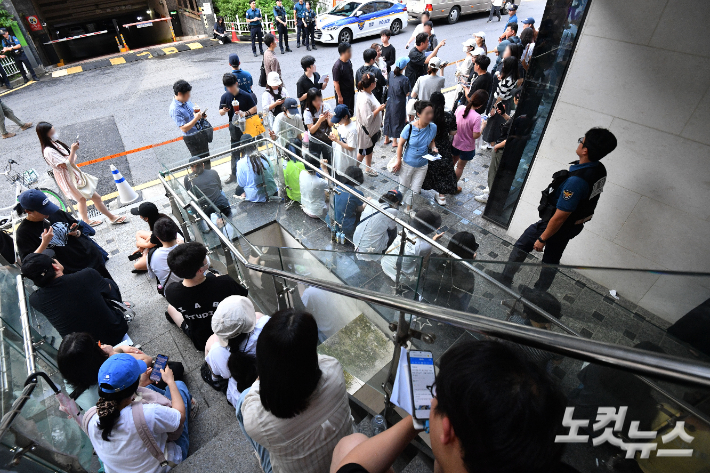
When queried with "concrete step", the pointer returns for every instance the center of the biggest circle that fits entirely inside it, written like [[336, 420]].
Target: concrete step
[[226, 453]]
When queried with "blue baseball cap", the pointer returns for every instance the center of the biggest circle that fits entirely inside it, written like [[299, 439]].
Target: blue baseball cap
[[529, 21], [34, 199], [402, 62], [119, 372], [339, 113], [291, 105], [233, 60]]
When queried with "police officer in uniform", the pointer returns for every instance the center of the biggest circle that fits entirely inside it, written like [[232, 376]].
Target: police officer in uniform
[[298, 11], [280, 16], [254, 20], [309, 20], [566, 204], [11, 47]]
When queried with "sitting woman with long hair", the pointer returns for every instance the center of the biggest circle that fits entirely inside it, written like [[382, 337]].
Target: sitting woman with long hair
[[255, 174], [231, 350], [297, 411], [62, 159]]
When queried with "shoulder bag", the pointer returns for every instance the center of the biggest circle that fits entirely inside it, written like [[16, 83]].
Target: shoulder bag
[[84, 182], [262, 75]]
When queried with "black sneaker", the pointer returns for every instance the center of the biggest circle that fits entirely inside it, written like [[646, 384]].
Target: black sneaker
[[308, 47], [230, 179], [282, 51], [255, 55], [298, 45], [289, 50], [314, 47]]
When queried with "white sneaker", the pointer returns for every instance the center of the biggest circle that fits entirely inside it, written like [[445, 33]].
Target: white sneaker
[[486, 190], [483, 198], [441, 200]]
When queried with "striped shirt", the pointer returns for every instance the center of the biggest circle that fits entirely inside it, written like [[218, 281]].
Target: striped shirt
[[505, 88], [304, 443]]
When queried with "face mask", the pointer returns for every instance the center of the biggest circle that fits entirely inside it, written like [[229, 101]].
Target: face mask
[[55, 136]]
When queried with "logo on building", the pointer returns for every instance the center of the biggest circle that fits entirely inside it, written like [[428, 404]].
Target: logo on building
[[33, 23]]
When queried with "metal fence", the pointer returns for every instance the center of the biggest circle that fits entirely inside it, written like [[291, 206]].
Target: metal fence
[[241, 26], [9, 66]]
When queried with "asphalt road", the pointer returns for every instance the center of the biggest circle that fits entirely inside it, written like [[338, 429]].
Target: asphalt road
[[125, 107]]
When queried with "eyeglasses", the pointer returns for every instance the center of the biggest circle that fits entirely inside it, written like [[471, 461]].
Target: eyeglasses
[[432, 389], [581, 140]]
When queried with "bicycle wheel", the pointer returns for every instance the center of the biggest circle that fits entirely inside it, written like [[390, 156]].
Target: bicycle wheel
[[54, 198]]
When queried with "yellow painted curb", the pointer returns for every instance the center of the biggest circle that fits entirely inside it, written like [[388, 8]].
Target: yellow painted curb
[[194, 45], [117, 60], [74, 70], [17, 88], [170, 50], [61, 73], [144, 53]]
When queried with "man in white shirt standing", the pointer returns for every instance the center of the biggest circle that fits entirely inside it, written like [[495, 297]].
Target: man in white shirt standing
[[495, 9], [426, 16]]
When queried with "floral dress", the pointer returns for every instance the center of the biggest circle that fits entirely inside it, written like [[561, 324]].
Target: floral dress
[[440, 175]]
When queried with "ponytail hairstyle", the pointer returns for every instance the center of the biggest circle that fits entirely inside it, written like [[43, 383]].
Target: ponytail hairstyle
[[397, 71], [366, 81], [477, 100], [107, 408], [257, 165], [242, 365], [43, 129]]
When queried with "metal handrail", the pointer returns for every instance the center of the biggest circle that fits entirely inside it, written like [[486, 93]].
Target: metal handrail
[[30, 384], [666, 366], [25, 321]]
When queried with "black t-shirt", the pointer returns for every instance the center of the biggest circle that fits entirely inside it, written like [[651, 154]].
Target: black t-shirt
[[198, 303], [416, 66], [72, 252], [246, 102], [389, 55], [482, 82], [75, 303], [343, 74], [379, 78], [304, 84]]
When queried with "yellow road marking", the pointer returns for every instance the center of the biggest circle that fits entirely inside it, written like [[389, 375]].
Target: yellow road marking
[[17, 88], [170, 50], [117, 60], [144, 53], [74, 70], [194, 45]]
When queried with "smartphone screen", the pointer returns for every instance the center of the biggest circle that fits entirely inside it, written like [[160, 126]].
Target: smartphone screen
[[161, 362], [443, 229], [421, 369]]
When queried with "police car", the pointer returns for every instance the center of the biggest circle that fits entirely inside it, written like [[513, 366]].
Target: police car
[[356, 19]]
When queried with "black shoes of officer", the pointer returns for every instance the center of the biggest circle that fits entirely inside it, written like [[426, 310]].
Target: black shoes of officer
[[282, 51], [314, 47], [255, 55], [298, 45], [261, 52], [308, 47], [289, 50]]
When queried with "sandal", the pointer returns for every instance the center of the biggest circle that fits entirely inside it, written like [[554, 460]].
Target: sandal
[[135, 256], [95, 223], [119, 221], [194, 408], [371, 173]]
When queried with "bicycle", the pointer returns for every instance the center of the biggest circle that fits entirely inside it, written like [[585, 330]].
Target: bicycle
[[29, 179]]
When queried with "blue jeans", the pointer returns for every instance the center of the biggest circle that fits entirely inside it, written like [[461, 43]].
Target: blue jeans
[[263, 453], [184, 440]]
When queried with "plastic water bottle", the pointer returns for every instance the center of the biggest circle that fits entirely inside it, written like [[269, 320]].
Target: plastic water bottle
[[378, 424]]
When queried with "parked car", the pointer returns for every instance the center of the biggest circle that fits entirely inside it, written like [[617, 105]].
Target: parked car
[[357, 19], [449, 9]]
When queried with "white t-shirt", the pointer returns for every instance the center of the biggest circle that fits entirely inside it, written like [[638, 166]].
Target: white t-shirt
[[420, 29], [409, 265], [267, 99], [159, 265], [343, 158], [308, 116], [125, 452], [312, 194], [371, 233], [218, 357]]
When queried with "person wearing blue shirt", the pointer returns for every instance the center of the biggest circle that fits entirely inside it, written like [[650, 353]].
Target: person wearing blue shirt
[[244, 79], [414, 142], [11, 47], [189, 119], [281, 26], [512, 15], [298, 10], [347, 207], [255, 174], [254, 20], [567, 204]]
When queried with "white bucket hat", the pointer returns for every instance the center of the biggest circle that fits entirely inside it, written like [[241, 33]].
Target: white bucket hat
[[273, 79], [234, 315]]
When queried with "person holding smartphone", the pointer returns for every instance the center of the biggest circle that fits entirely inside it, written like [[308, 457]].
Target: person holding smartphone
[[511, 428]]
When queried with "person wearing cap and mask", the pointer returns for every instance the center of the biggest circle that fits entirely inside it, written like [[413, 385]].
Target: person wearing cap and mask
[[111, 426], [397, 93], [346, 153], [48, 227], [76, 302], [247, 106], [465, 69], [288, 127], [231, 350], [274, 95], [376, 231], [430, 83]]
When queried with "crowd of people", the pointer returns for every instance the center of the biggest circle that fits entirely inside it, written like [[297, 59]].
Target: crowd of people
[[290, 401]]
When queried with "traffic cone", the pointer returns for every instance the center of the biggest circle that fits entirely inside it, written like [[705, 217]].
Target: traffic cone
[[126, 194], [273, 32], [234, 36]]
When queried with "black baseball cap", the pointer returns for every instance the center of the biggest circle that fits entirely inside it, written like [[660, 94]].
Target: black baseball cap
[[146, 209], [38, 267], [37, 201]]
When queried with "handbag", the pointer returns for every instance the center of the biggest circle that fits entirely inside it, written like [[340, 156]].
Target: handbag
[[262, 75], [84, 182], [492, 130], [206, 127]]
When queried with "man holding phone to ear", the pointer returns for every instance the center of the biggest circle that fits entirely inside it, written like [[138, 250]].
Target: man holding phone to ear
[[490, 409]]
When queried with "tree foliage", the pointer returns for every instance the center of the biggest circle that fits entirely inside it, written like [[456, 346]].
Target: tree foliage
[[6, 20], [231, 8]]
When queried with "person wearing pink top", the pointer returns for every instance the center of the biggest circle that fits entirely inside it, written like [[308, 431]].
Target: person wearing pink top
[[468, 123]]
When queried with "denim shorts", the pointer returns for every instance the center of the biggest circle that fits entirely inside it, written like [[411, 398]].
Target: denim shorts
[[467, 155]]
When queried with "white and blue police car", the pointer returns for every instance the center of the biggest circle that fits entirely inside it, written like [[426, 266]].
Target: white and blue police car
[[349, 20]]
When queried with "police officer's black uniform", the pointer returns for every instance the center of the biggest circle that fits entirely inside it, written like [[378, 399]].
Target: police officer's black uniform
[[309, 18], [299, 9], [280, 13], [255, 29], [594, 175]]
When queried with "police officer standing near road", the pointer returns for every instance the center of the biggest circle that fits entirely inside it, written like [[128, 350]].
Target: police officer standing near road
[[254, 20], [298, 10], [280, 17], [12, 48], [309, 20], [566, 204]]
